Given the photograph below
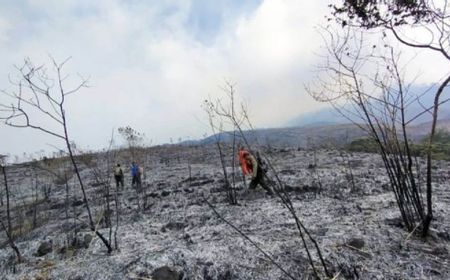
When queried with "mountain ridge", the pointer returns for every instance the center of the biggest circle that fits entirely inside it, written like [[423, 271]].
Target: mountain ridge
[[305, 136]]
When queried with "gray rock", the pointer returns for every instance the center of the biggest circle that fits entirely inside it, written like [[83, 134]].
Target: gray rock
[[81, 242], [444, 235], [355, 242], [87, 240], [45, 248], [166, 273], [321, 231], [174, 226]]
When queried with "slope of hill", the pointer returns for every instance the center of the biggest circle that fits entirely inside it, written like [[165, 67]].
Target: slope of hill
[[419, 131], [297, 136], [332, 135]]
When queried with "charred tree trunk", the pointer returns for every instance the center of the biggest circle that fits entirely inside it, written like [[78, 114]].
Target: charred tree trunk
[[11, 242], [77, 172], [8, 209]]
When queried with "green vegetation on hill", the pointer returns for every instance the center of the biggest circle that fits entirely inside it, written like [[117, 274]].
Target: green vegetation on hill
[[441, 145], [440, 148], [366, 145]]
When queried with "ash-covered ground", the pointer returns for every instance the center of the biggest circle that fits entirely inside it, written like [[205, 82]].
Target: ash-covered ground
[[169, 225]]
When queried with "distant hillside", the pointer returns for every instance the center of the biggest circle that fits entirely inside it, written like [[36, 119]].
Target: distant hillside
[[419, 131], [314, 135], [296, 136]]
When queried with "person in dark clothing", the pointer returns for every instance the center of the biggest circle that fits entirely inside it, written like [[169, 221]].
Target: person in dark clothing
[[135, 180], [118, 175], [251, 166]]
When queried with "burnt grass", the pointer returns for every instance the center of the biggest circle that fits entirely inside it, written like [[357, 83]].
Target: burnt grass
[[168, 225]]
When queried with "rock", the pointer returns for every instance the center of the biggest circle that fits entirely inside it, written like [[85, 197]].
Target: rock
[[165, 193], [45, 248], [355, 242], [87, 240], [173, 226], [188, 190], [201, 183], [82, 242], [444, 235], [288, 188], [396, 222], [321, 231], [98, 184], [288, 172], [376, 191], [77, 203], [188, 239], [153, 195], [76, 277], [386, 187], [166, 273], [217, 189], [57, 205]]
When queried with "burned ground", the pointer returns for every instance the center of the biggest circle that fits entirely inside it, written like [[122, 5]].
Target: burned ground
[[356, 225]]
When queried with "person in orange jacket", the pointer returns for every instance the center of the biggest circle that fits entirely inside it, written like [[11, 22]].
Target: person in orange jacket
[[250, 166]]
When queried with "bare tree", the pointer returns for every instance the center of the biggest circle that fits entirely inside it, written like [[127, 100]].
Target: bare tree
[[3, 190], [218, 113], [5, 180], [39, 96], [367, 85], [134, 140], [239, 121], [8, 228], [402, 20], [101, 168]]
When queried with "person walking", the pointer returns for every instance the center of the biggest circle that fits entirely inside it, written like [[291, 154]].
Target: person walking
[[251, 166], [135, 175], [118, 175]]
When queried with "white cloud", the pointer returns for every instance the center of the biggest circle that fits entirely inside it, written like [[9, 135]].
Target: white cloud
[[270, 55], [149, 71], [4, 28]]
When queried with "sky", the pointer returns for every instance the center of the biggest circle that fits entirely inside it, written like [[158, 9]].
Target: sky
[[152, 63]]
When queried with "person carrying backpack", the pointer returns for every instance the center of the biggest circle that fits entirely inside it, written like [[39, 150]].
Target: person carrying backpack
[[251, 166], [118, 175]]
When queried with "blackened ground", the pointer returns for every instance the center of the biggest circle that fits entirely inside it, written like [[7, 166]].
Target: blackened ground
[[174, 232]]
